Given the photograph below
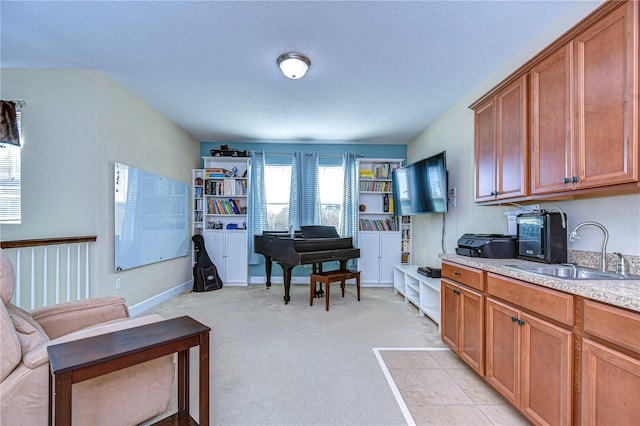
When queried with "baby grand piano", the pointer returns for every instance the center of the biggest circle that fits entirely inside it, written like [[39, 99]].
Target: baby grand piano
[[312, 246]]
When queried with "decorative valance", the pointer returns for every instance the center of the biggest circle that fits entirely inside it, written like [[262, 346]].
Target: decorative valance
[[9, 123]]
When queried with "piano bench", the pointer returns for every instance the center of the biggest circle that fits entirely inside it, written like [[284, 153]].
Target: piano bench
[[331, 277]]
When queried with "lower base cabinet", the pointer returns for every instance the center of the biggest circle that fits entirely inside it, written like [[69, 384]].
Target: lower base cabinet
[[610, 386], [610, 373], [559, 359], [529, 361], [462, 319]]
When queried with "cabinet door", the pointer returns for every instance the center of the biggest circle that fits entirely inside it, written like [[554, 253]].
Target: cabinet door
[[390, 246], [607, 99], [546, 377], [471, 320], [369, 261], [236, 257], [610, 386], [214, 242], [552, 123], [503, 350], [512, 170], [449, 316], [485, 156]]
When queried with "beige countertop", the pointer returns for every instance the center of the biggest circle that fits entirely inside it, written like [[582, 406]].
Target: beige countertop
[[622, 293]]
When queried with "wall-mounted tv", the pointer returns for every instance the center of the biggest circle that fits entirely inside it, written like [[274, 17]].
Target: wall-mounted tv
[[421, 187]]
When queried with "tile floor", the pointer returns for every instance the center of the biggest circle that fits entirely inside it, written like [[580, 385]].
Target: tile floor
[[440, 389]]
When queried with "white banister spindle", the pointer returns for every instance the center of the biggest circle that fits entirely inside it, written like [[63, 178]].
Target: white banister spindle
[[57, 274], [18, 289], [78, 281], [45, 271], [68, 272], [33, 278], [86, 271]]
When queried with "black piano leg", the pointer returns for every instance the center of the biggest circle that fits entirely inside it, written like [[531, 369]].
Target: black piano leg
[[267, 267], [286, 275]]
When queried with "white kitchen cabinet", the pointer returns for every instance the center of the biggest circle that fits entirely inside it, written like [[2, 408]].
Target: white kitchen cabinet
[[228, 251], [379, 253]]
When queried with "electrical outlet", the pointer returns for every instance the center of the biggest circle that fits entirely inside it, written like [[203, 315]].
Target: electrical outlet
[[118, 284]]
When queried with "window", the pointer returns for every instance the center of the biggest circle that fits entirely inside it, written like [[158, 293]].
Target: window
[[277, 184], [277, 180], [331, 180], [10, 172]]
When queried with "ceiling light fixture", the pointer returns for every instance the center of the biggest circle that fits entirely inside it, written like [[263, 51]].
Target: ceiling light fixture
[[293, 65]]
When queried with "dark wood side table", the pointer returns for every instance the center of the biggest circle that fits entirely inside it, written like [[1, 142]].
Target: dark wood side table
[[80, 360]]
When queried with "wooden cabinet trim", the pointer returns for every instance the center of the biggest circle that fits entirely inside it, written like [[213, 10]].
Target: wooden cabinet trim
[[466, 275], [612, 324], [543, 301], [598, 405], [558, 405], [472, 325], [502, 370]]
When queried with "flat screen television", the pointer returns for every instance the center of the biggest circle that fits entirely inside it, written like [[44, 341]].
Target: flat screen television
[[421, 187]]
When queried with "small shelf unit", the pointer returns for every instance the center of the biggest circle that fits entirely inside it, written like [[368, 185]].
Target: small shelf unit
[[421, 291]]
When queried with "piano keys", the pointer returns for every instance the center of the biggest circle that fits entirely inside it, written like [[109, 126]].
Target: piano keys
[[289, 252]]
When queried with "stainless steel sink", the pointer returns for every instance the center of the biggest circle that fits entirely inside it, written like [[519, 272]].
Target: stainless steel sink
[[570, 272]]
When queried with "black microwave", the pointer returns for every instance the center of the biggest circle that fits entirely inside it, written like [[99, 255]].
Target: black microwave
[[542, 236]]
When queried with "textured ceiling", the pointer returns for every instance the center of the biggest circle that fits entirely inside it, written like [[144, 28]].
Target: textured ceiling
[[381, 71]]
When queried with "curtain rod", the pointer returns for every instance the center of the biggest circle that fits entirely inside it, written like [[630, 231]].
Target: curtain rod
[[289, 154]]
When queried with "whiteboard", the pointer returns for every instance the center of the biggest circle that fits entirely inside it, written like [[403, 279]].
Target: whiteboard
[[151, 218]]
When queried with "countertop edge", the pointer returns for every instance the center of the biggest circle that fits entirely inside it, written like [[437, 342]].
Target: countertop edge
[[622, 293]]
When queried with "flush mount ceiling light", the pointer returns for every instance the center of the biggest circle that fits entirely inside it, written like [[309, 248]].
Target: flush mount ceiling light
[[293, 65]]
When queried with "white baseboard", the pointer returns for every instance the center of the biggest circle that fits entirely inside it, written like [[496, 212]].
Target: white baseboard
[[145, 305]]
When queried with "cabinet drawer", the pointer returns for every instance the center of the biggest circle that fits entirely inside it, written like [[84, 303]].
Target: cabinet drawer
[[612, 324], [550, 303], [464, 275]]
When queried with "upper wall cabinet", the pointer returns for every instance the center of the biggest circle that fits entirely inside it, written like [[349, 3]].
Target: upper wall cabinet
[[552, 123], [584, 108], [583, 115], [501, 144], [606, 57]]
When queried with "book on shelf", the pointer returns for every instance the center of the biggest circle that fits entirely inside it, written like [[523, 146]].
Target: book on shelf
[[214, 173], [235, 208], [387, 224], [375, 186]]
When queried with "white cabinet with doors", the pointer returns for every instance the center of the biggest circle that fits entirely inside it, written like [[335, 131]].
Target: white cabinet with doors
[[228, 251], [379, 252]]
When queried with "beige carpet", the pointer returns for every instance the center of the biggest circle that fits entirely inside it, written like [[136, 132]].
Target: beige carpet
[[295, 364]]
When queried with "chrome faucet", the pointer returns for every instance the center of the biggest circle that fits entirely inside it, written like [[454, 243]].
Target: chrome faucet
[[603, 254], [622, 265]]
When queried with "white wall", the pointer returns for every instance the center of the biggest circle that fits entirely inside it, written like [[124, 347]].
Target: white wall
[[454, 130], [76, 124]]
